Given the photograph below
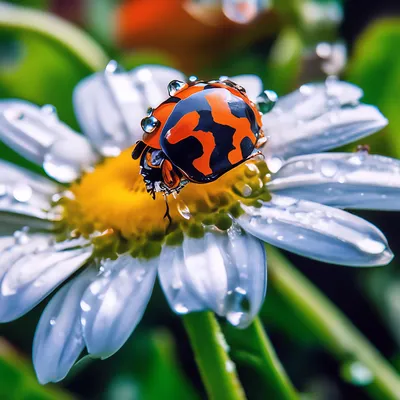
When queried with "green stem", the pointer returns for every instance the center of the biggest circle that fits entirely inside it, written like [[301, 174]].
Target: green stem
[[216, 369], [252, 346], [56, 30], [331, 327], [271, 363]]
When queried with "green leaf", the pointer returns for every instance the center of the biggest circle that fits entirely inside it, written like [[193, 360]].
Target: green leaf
[[375, 67], [18, 382], [252, 348], [148, 367], [285, 63]]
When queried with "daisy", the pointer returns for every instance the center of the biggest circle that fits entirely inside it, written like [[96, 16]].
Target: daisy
[[93, 227]]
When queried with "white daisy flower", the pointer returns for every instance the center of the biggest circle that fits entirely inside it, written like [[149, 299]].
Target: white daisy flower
[[99, 229]]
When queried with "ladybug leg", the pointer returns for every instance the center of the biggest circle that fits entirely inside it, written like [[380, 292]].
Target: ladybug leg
[[138, 149], [170, 177]]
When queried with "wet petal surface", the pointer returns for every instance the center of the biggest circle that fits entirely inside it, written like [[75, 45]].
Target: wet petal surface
[[33, 267], [315, 118], [110, 105], [38, 135], [317, 231], [25, 199], [114, 303], [58, 339], [223, 271], [344, 180]]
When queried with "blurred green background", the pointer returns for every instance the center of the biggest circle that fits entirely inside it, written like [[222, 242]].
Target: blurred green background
[[279, 46]]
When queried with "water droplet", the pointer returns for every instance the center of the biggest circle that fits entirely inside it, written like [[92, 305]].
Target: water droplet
[[49, 110], [229, 366], [275, 164], [193, 78], [140, 275], [266, 101], [150, 111], [306, 90], [371, 246], [21, 237], [183, 209], [280, 237], [150, 124], [237, 306], [176, 283], [175, 86], [357, 373], [22, 193], [222, 342], [59, 169], [53, 322], [180, 308], [328, 168], [112, 67], [85, 306]]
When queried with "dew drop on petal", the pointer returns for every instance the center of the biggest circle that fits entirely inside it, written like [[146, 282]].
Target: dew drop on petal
[[275, 164], [371, 246], [180, 308], [328, 168], [85, 306], [53, 322], [236, 306], [22, 193]]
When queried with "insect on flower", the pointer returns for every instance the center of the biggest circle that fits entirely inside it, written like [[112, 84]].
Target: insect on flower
[[203, 130]]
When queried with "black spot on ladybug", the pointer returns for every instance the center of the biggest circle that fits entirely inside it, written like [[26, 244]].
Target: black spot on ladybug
[[223, 137], [172, 100], [243, 110], [191, 148], [246, 146]]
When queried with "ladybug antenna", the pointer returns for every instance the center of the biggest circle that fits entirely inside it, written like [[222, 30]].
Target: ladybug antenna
[[167, 215]]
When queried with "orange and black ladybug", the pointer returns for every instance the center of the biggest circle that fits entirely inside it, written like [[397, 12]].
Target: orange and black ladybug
[[203, 130]]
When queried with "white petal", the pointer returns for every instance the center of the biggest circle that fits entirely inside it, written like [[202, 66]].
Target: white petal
[[316, 231], [252, 83], [38, 135], [58, 339], [226, 272], [171, 272], [111, 104], [33, 268], [344, 180], [315, 118], [25, 198], [114, 303]]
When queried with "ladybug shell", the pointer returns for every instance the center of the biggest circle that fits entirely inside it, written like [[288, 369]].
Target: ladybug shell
[[210, 132]]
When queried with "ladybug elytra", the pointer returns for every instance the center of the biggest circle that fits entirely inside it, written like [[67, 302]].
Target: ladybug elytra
[[203, 130]]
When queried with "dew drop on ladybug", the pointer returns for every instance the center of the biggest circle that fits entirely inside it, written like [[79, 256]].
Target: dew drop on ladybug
[[203, 130]]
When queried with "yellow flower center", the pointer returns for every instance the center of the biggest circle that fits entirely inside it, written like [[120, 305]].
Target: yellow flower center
[[111, 206]]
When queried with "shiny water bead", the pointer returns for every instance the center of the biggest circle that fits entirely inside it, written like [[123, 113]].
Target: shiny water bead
[[266, 101], [149, 124], [175, 86]]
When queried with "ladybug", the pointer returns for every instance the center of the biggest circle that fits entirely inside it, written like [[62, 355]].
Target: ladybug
[[203, 130]]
